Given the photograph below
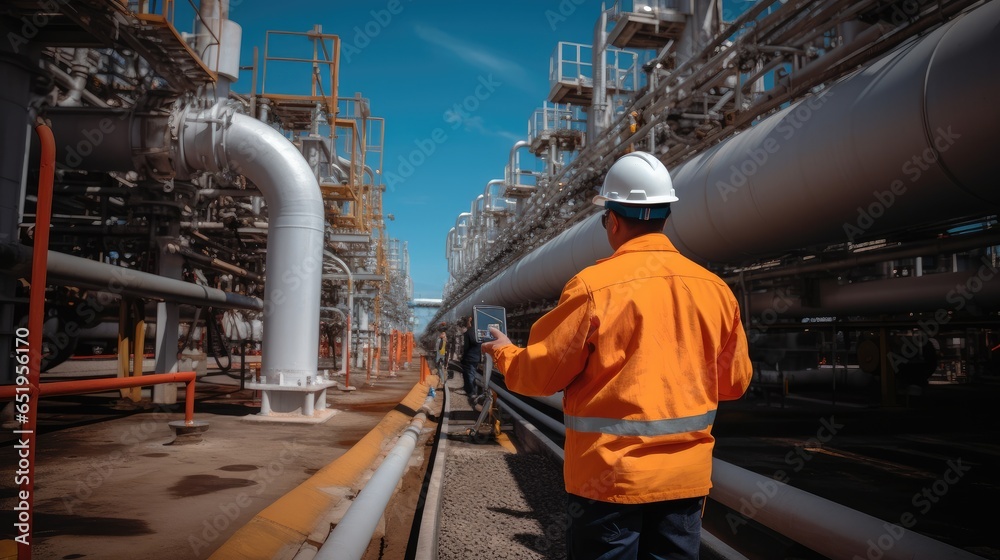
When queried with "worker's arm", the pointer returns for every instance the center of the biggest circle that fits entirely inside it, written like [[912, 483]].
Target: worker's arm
[[733, 365], [557, 348]]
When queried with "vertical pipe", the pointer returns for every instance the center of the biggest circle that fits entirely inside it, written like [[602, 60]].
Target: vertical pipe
[[189, 400], [43, 216], [295, 244], [346, 358], [599, 102], [169, 265]]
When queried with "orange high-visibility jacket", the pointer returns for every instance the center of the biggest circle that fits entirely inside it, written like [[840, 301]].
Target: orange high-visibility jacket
[[644, 345]]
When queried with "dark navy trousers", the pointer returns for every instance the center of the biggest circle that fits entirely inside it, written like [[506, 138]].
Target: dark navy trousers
[[654, 531]]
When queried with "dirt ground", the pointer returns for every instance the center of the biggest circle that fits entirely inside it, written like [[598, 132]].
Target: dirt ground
[[110, 484]]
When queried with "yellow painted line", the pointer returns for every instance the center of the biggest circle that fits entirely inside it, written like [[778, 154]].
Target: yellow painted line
[[505, 442], [284, 525]]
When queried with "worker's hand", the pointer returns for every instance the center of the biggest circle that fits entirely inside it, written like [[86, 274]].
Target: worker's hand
[[500, 340]]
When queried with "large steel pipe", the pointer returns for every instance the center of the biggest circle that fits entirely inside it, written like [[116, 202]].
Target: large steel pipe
[[906, 140], [218, 139], [68, 270], [833, 530], [940, 293]]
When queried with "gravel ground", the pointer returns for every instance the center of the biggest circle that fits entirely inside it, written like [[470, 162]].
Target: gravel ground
[[496, 503]]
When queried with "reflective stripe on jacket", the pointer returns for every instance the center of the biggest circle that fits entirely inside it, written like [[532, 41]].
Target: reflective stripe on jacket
[[644, 345]]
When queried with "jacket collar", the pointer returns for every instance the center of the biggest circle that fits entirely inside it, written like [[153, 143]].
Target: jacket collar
[[648, 242]]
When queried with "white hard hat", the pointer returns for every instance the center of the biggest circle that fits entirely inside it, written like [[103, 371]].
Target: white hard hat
[[637, 179]]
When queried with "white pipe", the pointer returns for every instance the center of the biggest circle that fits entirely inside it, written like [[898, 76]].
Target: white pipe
[[514, 165], [829, 528], [350, 304], [430, 521], [218, 139], [217, 41], [514, 162], [351, 536], [67, 81], [78, 76]]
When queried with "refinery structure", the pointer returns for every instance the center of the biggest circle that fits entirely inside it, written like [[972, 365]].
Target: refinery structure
[[833, 162], [229, 223]]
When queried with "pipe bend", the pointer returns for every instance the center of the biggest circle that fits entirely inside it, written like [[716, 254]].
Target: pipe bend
[[219, 138]]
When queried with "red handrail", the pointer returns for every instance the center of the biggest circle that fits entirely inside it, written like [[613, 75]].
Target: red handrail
[[83, 386]]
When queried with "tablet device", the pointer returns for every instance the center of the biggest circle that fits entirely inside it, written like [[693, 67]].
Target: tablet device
[[486, 316]]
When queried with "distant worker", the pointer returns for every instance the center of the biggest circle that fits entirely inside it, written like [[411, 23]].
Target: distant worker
[[471, 356], [644, 345], [441, 352]]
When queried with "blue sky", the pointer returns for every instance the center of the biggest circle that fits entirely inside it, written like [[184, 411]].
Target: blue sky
[[490, 60], [455, 81]]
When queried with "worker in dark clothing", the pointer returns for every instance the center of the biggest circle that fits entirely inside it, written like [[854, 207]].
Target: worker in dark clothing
[[471, 356]]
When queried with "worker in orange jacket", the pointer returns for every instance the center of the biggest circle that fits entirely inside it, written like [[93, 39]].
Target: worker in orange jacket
[[644, 345]]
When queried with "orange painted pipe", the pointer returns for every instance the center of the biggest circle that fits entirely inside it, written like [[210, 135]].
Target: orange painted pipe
[[36, 317], [84, 386]]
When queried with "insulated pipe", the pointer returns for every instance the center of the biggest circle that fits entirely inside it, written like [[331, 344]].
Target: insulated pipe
[[906, 140], [351, 536], [833, 530], [488, 193], [514, 162], [68, 270], [950, 291], [489, 207], [448, 248], [218, 139], [217, 41], [462, 239]]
